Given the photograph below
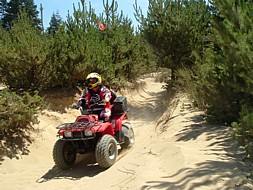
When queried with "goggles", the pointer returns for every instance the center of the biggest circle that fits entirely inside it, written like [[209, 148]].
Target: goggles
[[92, 80]]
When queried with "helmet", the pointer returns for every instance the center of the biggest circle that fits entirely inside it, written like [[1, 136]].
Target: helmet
[[93, 79]]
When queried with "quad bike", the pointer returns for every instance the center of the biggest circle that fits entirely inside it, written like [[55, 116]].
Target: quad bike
[[91, 133]]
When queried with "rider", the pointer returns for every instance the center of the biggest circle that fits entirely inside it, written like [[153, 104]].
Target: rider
[[96, 93]]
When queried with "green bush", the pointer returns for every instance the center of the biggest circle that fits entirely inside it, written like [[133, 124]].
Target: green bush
[[18, 113], [243, 130], [23, 57]]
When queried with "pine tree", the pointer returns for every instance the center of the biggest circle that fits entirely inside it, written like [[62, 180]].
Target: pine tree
[[232, 71], [23, 57], [175, 29], [54, 23], [81, 47], [226, 68], [14, 9]]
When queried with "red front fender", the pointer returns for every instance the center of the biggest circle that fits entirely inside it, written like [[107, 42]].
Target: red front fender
[[104, 128]]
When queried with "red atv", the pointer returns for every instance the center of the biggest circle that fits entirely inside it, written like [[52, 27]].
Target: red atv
[[90, 133]]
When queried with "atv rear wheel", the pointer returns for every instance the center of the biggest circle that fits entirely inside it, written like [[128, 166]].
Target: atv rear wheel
[[64, 154], [106, 151], [128, 136]]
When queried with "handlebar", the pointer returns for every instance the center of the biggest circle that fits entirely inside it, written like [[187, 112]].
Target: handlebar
[[100, 104]]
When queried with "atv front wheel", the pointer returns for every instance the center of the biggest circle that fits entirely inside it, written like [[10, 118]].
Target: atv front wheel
[[128, 136], [64, 154], [106, 151]]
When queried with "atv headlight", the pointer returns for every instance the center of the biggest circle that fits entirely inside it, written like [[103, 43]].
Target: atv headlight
[[88, 133], [68, 134]]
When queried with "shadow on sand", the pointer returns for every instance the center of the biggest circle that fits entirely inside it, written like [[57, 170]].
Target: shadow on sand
[[226, 170], [16, 146], [85, 166]]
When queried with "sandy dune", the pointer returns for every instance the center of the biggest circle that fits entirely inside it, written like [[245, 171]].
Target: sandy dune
[[183, 153]]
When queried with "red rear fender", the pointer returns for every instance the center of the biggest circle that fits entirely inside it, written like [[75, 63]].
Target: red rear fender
[[117, 119]]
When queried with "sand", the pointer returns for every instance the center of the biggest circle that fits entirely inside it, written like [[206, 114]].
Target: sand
[[174, 150]]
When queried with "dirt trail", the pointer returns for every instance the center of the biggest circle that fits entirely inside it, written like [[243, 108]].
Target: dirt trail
[[183, 153]]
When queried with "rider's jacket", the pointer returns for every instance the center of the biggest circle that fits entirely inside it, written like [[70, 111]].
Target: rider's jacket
[[92, 96]]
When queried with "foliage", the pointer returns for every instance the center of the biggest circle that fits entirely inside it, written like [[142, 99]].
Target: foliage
[[222, 79], [13, 9], [243, 130], [226, 67], [76, 49], [54, 23], [23, 57], [175, 29], [18, 113], [80, 47]]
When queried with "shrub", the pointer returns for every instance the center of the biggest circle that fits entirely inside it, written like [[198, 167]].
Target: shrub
[[243, 131], [18, 113]]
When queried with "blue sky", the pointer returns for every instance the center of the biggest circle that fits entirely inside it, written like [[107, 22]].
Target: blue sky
[[62, 6]]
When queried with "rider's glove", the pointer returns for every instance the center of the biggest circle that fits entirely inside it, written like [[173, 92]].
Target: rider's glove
[[75, 106]]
